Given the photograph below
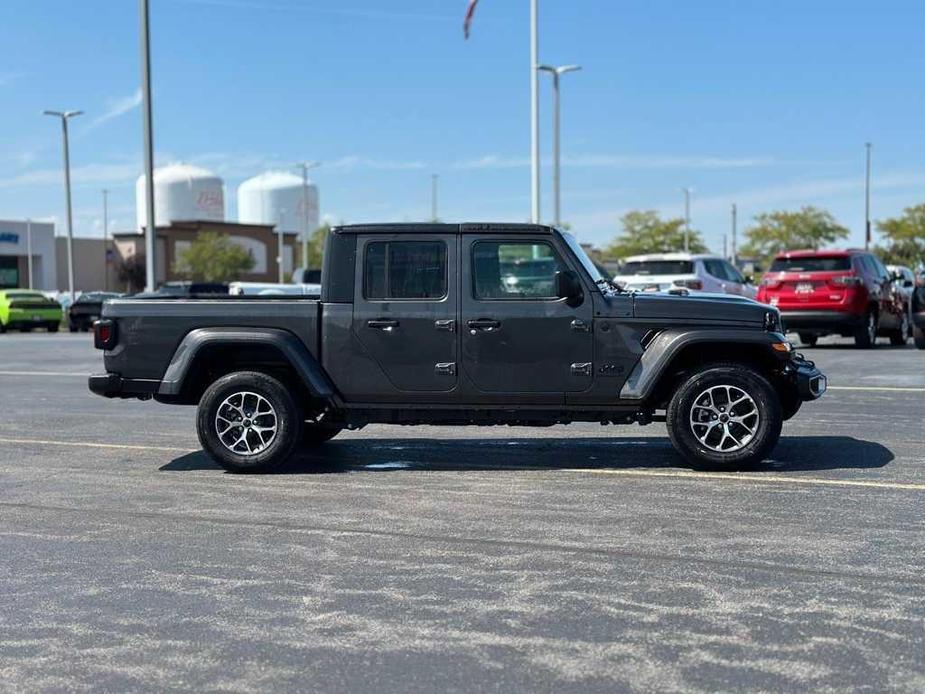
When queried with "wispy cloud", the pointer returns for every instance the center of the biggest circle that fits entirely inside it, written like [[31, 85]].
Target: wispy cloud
[[116, 108], [90, 174], [276, 6], [10, 77], [354, 162], [621, 161]]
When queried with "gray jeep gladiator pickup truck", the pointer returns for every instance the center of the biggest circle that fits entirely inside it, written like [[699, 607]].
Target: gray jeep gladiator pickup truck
[[458, 324]]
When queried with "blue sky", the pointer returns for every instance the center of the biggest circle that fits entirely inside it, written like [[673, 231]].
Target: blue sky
[[766, 104]]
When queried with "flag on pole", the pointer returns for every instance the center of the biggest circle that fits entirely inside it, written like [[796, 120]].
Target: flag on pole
[[470, 11]]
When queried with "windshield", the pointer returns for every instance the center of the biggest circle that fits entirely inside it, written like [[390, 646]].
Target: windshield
[[815, 263], [583, 258], [658, 267]]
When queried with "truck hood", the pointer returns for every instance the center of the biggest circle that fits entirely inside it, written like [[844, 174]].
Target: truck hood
[[700, 306]]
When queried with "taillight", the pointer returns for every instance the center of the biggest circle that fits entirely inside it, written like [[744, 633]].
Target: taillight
[[846, 281], [689, 284], [104, 334]]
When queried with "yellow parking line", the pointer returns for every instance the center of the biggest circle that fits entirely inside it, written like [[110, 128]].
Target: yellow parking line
[[757, 478], [87, 444]]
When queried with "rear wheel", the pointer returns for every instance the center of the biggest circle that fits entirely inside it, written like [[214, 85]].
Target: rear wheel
[[249, 422], [919, 336], [52, 327], [809, 339], [725, 417], [865, 336], [899, 336]]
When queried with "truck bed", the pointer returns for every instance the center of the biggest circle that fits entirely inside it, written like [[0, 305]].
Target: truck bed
[[150, 329]]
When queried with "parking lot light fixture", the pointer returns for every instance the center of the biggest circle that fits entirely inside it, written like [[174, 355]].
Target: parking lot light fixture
[[65, 116], [556, 73]]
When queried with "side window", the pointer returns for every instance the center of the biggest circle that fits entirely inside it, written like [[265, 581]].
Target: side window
[[732, 272], [715, 268], [405, 270], [880, 268], [514, 270]]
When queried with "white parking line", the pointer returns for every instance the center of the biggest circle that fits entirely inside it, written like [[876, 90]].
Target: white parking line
[[757, 478], [677, 474], [888, 389], [44, 373], [88, 444]]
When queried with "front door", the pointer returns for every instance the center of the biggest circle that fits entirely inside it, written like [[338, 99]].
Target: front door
[[404, 317], [520, 343]]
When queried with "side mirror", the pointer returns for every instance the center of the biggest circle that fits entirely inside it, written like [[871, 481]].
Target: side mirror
[[568, 287], [749, 279]]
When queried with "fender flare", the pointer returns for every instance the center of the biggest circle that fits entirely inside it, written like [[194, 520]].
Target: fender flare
[[291, 347], [668, 344]]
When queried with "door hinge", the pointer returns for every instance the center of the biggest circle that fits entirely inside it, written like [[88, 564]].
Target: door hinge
[[582, 368], [445, 368]]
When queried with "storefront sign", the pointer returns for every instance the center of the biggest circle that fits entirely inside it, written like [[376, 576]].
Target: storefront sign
[[9, 237]]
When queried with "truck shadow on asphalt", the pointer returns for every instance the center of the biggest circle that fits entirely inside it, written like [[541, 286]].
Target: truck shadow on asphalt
[[793, 454]]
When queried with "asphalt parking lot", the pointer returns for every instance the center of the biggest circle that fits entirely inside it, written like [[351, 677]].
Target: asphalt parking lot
[[408, 559]]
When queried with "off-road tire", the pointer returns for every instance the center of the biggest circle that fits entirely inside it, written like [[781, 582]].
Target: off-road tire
[[741, 378], [865, 336], [918, 334], [288, 413], [899, 336], [809, 339]]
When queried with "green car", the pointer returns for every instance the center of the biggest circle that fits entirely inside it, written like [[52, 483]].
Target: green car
[[26, 309]]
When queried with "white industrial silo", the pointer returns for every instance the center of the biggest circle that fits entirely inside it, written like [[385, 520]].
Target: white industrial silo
[[278, 198], [182, 193]]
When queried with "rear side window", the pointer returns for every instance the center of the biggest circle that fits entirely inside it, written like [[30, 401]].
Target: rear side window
[[815, 263], [514, 270], [405, 270], [658, 267], [716, 269]]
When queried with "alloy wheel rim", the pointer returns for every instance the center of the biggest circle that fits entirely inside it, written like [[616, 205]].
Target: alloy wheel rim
[[724, 418], [246, 423]]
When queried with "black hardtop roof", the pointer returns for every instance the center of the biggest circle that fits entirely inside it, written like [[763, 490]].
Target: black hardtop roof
[[430, 228]]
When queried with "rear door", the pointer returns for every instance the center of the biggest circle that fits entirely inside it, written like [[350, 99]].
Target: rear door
[[404, 315], [520, 343]]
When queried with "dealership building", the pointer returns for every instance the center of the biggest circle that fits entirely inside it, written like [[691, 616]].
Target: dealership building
[[15, 248]]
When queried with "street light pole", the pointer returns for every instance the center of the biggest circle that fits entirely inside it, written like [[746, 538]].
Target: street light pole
[[556, 73], [65, 116], [280, 242], [105, 240], [687, 219], [534, 112], [434, 178], [151, 230], [735, 224], [305, 166], [29, 249], [867, 234]]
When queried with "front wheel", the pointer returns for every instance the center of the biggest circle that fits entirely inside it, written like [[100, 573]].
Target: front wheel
[[249, 422], [899, 336], [865, 336], [725, 417]]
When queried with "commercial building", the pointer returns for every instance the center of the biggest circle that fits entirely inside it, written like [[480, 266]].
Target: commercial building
[[15, 250], [260, 240]]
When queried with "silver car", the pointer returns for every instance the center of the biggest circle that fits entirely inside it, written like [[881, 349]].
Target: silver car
[[659, 272]]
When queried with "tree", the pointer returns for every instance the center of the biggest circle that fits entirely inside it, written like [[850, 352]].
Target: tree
[[213, 258], [773, 232], [646, 232], [132, 273], [904, 237], [316, 245]]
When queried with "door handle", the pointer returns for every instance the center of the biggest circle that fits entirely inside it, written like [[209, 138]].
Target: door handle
[[382, 324], [448, 325], [580, 326], [484, 324]]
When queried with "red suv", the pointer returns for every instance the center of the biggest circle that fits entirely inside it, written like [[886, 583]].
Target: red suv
[[844, 293]]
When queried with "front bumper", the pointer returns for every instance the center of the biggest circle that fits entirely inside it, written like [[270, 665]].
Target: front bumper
[[810, 382], [111, 385]]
